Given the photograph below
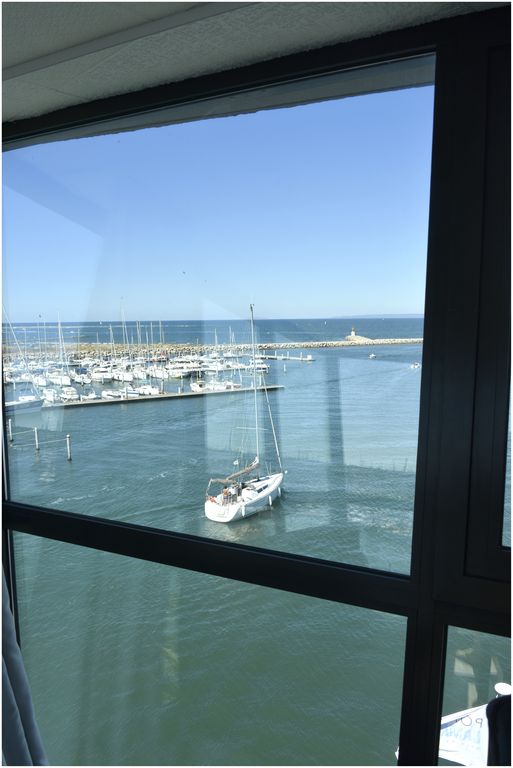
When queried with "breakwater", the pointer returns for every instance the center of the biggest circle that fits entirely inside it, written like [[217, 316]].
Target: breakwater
[[180, 348], [359, 342], [191, 349]]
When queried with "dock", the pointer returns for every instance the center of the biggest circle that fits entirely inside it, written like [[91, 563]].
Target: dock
[[162, 396], [301, 359]]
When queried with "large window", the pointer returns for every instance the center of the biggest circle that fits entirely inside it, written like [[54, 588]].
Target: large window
[[146, 250], [269, 305]]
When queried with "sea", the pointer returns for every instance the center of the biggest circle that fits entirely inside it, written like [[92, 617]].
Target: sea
[[135, 663], [35, 336]]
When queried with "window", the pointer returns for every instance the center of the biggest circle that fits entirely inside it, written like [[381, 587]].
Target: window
[[477, 667], [369, 569], [325, 219]]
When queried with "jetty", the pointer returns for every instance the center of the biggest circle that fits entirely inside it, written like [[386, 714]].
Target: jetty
[[301, 359], [191, 349], [163, 351]]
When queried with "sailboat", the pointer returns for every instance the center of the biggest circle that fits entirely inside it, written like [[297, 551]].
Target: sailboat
[[246, 491], [30, 398]]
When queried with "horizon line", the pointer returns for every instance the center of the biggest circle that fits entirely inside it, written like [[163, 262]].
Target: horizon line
[[383, 316]]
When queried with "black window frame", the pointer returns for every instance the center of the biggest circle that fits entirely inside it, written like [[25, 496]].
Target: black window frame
[[459, 577]]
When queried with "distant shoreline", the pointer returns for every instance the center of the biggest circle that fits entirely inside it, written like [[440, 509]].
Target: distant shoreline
[[117, 322]]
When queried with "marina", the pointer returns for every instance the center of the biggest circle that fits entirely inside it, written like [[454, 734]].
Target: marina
[[45, 366]]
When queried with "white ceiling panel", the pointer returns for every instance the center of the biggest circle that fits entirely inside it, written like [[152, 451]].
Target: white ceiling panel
[[35, 29], [62, 54]]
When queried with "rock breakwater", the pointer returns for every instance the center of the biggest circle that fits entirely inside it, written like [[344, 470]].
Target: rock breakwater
[[189, 349]]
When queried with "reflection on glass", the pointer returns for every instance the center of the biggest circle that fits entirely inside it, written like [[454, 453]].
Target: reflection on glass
[[145, 251], [506, 528], [149, 665], [478, 669]]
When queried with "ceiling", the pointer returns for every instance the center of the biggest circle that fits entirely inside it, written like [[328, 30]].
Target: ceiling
[[60, 54]]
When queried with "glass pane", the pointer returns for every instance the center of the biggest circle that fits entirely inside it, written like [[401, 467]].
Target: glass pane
[[506, 529], [149, 665], [145, 251], [478, 668]]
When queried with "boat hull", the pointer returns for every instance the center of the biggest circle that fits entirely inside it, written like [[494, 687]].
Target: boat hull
[[255, 495]]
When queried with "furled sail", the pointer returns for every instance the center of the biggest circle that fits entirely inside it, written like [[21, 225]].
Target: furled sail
[[225, 480]]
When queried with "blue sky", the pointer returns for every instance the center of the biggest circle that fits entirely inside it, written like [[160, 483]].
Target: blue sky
[[313, 211]]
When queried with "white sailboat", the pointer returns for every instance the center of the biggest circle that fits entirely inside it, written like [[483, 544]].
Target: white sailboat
[[246, 491], [214, 385]]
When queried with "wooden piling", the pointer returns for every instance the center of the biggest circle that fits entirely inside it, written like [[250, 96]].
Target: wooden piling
[[68, 446]]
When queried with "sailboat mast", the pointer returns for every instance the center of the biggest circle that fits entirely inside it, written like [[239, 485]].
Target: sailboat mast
[[254, 381], [63, 357]]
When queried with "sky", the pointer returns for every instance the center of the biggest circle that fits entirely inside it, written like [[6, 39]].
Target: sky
[[312, 211]]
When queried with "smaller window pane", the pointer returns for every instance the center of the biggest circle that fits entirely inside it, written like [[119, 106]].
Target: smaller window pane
[[136, 663], [478, 666]]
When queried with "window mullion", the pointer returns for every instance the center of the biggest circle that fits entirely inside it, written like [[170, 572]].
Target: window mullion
[[331, 581]]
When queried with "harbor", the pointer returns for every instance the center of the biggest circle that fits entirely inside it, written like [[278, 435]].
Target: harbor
[[44, 366]]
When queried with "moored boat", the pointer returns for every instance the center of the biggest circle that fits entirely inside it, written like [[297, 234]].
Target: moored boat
[[50, 396], [129, 392], [147, 390], [214, 385], [69, 394], [91, 395], [112, 394], [101, 373]]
